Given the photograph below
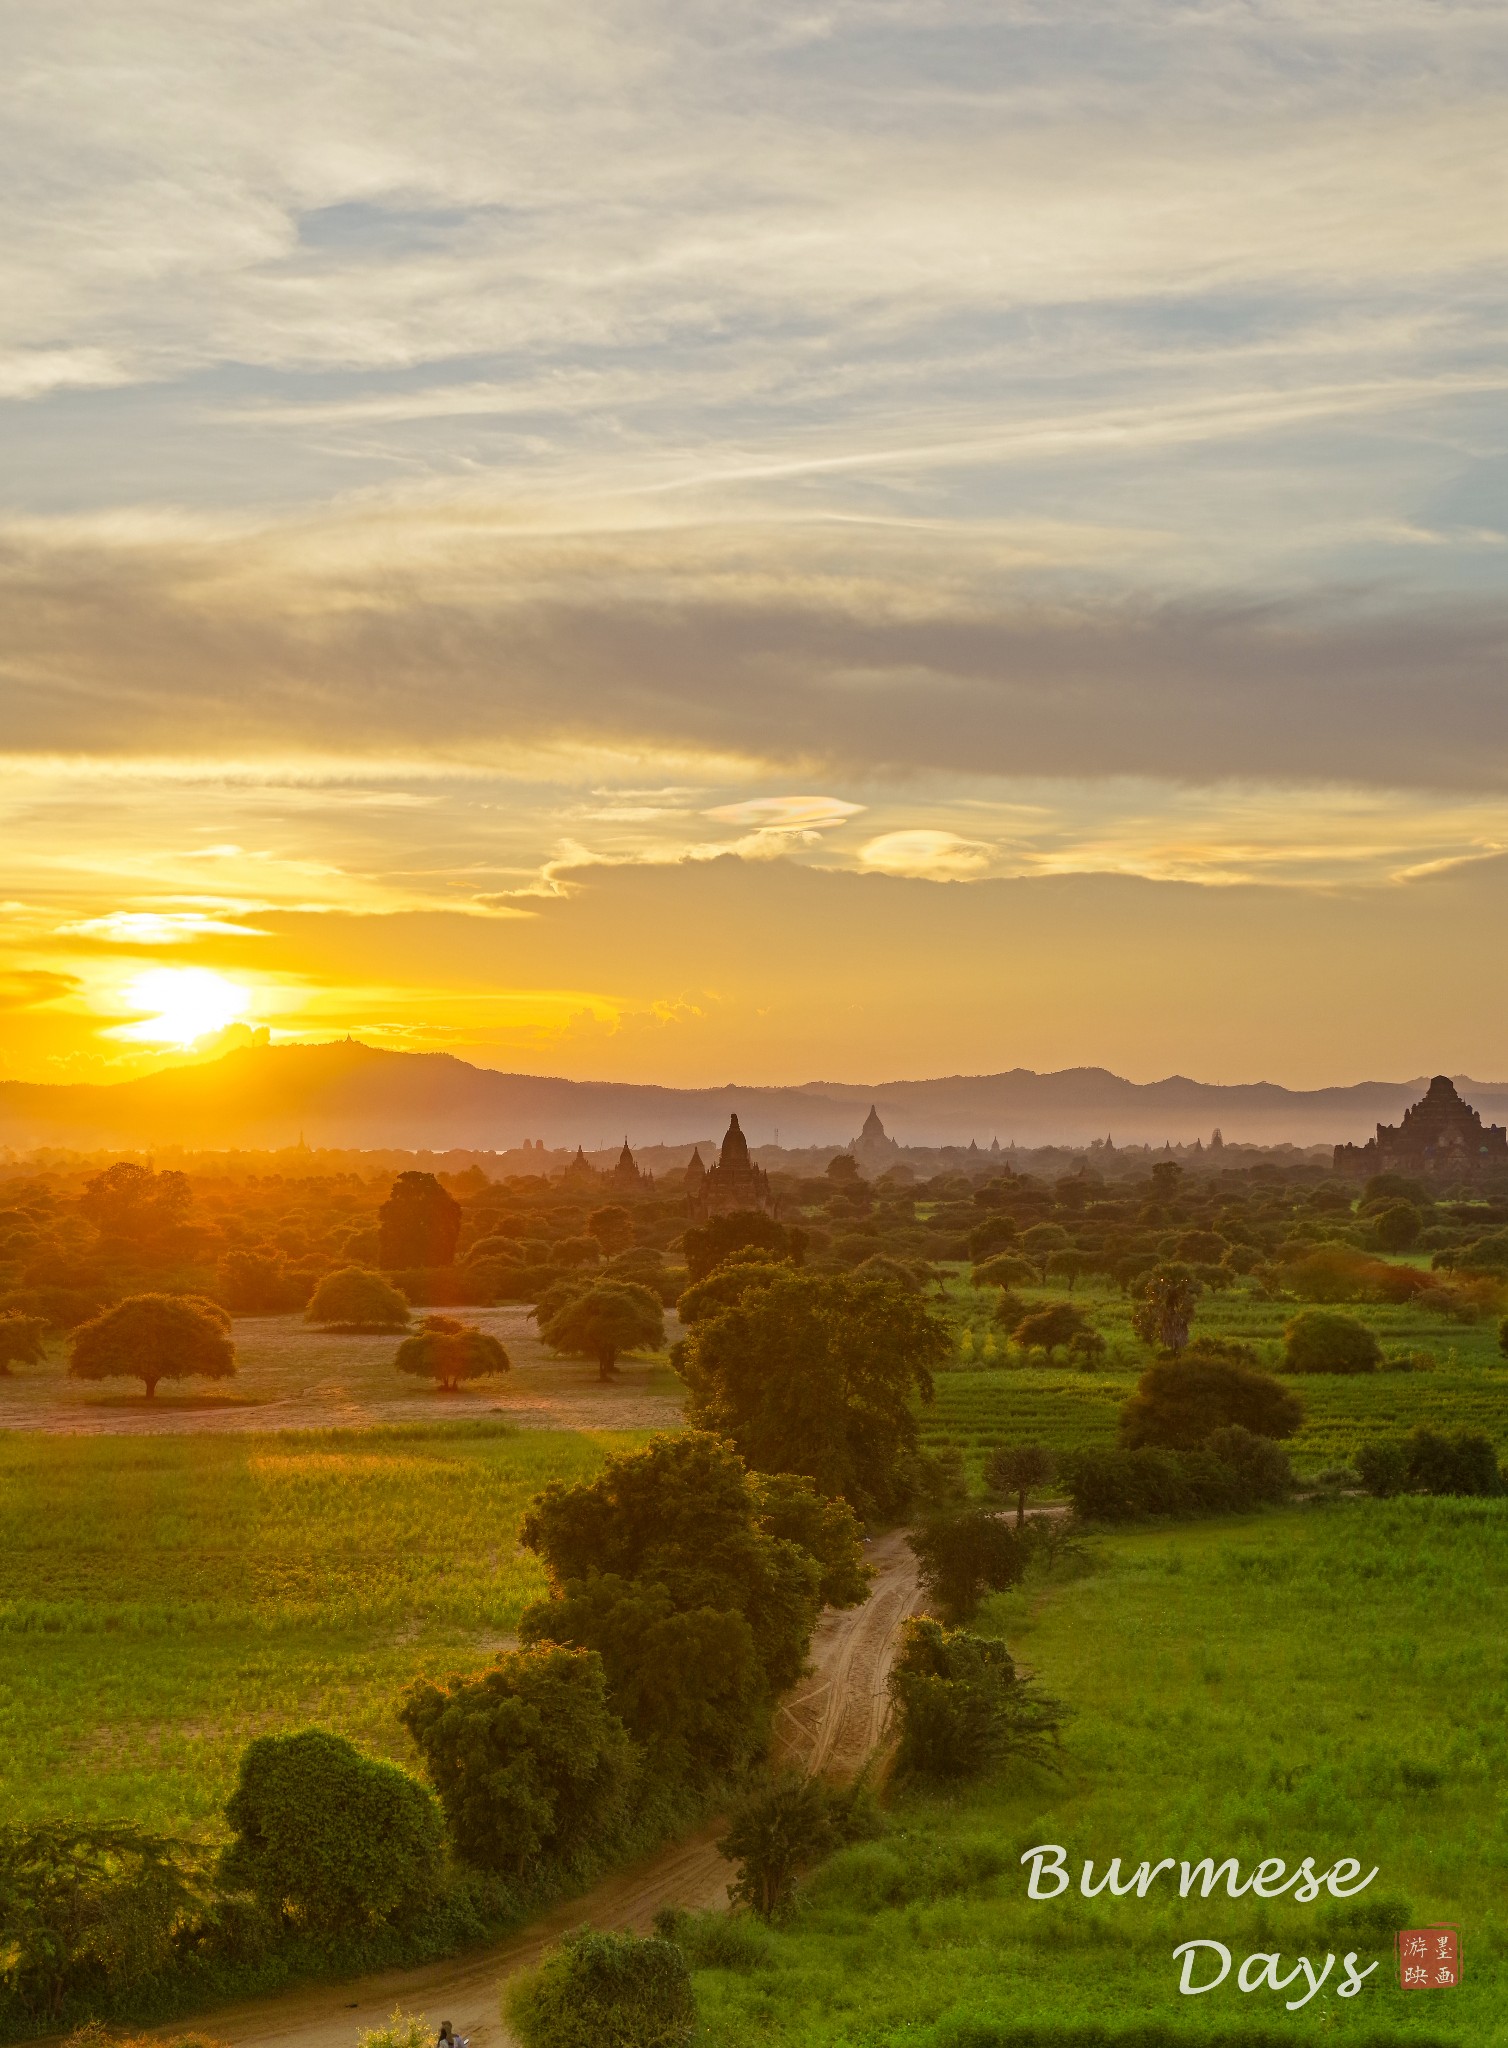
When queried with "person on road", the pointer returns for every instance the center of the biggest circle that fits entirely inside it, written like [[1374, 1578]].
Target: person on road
[[448, 2037]]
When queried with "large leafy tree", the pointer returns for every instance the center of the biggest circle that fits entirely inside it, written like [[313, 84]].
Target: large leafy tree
[[418, 1225], [152, 1337], [448, 1351], [330, 1835], [1179, 1403], [21, 1339], [817, 1375], [604, 1321], [528, 1757], [709, 1244], [663, 1565], [132, 1202], [354, 1299]]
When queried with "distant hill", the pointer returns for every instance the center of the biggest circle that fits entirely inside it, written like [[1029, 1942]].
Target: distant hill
[[352, 1095]]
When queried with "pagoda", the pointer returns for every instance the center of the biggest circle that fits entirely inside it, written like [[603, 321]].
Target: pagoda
[[1440, 1134], [735, 1182]]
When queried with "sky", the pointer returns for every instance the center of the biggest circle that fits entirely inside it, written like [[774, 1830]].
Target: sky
[[713, 542]]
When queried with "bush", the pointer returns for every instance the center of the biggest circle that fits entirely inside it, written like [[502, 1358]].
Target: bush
[[402, 2030], [1319, 1340], [774, 1831], [449, 1351], [964, 1555], [1262, 1465], [86, 1910], [1382, 1468], [21, 1339], [605, 1991], [1128, 1485], [528, 1758], [152, 1337], [1464, 1463], [1179, 1402], [355, 1299], [327, 1834], [962, 1707]]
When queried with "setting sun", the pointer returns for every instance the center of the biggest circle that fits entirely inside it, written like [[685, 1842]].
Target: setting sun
[[184, 1004]]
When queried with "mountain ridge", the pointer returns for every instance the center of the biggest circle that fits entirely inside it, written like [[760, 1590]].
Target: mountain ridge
[[345, 1093]]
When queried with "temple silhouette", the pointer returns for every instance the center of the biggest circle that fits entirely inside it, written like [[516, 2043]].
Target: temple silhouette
[[735, 1182], [1440, 1134]]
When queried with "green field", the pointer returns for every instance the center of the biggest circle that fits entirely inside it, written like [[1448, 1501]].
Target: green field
[[1324, 1681], [166, 1598]]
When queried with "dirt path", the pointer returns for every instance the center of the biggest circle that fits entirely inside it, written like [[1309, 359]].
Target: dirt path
[[830, 1721]]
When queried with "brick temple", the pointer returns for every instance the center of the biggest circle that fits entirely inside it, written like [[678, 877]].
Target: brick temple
[[1441, 1134]]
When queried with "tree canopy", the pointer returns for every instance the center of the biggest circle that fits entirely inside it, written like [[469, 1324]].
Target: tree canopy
[[356, 1299], [709, 1244], [1179, 1403], [153, 1337], [21, 1339], [419, 1224], [816, 1374], [604, 1320], [1320, 1340], [448, 1351]]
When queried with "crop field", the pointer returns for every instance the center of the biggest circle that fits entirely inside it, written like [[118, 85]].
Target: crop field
[[989, 1397], [1323, 1681], [164, 1599]]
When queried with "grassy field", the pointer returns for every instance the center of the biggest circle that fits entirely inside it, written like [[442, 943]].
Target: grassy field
[[1326, 1681], [164, 1599], [987, 1397]]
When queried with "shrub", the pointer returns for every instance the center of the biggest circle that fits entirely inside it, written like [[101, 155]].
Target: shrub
[[1462, 1463], [1319, 1340], [402, 2030], [152, 1337], [1179, 1402], [964, 1555], [528, 1758], [605, 1991], [355, 1299], [961, 1705], [774, 1831], [449, 1351], [1262, 1465], [86, 1909], [330, 1835], [21, 1339], [1382, 1467], [1127, 1485]]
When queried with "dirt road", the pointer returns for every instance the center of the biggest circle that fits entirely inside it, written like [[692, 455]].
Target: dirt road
[[830, 1721]]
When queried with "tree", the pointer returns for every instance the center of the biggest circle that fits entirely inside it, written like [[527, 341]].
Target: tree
[[791, 1509], [1070, 1266], [355, 1299], [1015, 1470], [1004, 1270], [22, 1340], [1397, 1227], [817, 1374], [528, 1758], [612, 1227], [1041, 1241], [449, 1351], [1165, 1309], [710, 1244], [87, 1908], [1179, 1403], [661, 1564], [328, 1835], [962, 1707], [258, 1282], [611, 1317], [784, 1823], [1320, 1340], [727, 1285], [964, 1555], [605, 1991], [419, 1224], [152, 1337], [1261, 1465], [133, 1203], [1048, 1329]]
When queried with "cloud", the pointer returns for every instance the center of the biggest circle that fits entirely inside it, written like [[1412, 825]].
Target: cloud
[[812, 657], [936, 856], [156, 928]]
